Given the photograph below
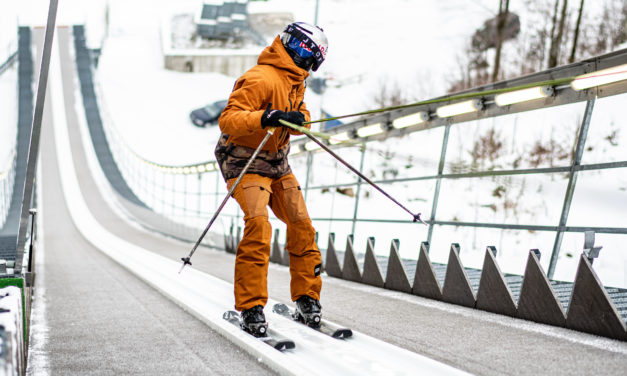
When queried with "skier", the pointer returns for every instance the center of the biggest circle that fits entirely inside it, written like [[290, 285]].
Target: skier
[[270, 91]]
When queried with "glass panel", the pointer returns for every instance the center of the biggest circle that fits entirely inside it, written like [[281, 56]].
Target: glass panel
[[512, 246], [515, 199], [607, 136], [540, 138], [600, 199]]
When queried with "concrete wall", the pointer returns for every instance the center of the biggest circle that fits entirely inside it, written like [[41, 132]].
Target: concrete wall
[[230, 65]]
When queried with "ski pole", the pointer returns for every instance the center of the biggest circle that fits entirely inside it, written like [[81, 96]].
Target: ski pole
[[328, 150], [186, 260]]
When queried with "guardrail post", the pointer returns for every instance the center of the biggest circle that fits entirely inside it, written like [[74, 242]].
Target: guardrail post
[[199, 195], [35, 133], [570, 190], [217, 197], [436, 194], [357, 193], [308, 173]]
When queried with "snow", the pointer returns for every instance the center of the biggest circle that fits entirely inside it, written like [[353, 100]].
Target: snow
[[8, 90], [8, 114], [366, 354], [415, 45]]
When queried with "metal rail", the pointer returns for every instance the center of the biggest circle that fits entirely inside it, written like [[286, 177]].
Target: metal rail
[[33, 151], [167, 189]]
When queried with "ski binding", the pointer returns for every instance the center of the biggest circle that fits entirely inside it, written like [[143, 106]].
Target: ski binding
[[325, 327], [271, 338]]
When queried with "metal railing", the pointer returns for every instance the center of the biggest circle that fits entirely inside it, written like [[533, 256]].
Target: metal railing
[[7, 165], [8, 63], [469, 174], [188, 194], [7, 179]]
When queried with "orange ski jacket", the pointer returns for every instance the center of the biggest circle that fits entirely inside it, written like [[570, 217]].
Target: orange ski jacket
[[275, 79]]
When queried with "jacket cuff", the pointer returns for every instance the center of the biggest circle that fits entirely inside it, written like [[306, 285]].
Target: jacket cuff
[[255, 121]]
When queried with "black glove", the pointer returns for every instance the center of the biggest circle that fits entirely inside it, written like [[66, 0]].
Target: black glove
[[295, 117], [270, 117]]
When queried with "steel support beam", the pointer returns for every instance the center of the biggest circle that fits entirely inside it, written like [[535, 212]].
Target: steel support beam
[[572, 182], [33, 151]]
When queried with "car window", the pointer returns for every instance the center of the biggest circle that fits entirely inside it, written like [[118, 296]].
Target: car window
[[212, 110]]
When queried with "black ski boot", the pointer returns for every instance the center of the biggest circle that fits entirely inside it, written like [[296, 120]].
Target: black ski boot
[[308, 311], [254, 321]]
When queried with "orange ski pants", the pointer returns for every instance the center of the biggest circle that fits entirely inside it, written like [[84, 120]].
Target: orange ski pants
[[254, 193]]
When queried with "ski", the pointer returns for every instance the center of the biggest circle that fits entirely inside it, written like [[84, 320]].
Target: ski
[[325, 327], [272, 339]]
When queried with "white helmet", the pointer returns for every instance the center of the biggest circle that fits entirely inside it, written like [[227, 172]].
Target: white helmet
[[306, 44]]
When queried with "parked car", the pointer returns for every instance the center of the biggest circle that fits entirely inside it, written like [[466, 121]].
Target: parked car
[[207, 115]]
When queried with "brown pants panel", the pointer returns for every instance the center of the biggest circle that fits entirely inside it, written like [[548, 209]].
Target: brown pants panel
[[288, 205], [254, 194]]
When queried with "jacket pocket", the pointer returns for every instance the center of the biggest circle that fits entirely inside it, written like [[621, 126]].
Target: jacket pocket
[[256, 196]]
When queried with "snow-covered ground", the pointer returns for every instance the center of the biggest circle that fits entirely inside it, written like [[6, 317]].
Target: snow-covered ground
[[364, 38], [416, 45]]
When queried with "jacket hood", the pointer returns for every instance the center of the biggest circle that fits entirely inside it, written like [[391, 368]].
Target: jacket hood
[[276, 56]]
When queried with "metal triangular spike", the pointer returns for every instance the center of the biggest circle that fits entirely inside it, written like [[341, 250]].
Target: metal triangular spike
[[396, 277], [457, 288], [425, 281], [332, 265], [276, 255], [538, 302], [372, 270], [591, 309], [494, 294], [230, 241], [350, 271], [286, 257], [235, 240]]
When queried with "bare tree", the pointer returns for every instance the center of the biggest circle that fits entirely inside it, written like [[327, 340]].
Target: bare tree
[[571, 59], [557, 41], [553, 28], [389, 93], [502, 18]]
